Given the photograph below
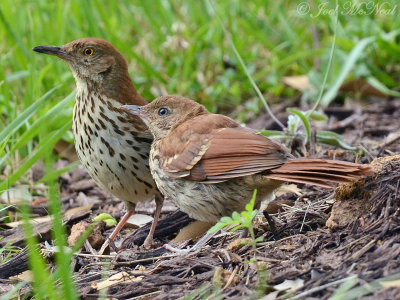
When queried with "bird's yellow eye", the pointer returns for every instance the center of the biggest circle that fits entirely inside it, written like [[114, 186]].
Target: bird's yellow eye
[[88, 51]]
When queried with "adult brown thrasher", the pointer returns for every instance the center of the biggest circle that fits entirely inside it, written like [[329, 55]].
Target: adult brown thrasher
[[209, 165], [112, 144]]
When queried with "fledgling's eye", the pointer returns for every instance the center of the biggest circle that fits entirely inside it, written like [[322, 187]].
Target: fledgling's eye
[[88, 51], [163, 111]]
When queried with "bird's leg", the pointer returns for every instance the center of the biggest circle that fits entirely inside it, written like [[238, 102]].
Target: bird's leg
[[117, 229], [271, 224], [149, 239]]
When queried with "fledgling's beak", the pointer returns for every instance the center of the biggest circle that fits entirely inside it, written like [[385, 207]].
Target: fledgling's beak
[[53, 50], [138, 111]]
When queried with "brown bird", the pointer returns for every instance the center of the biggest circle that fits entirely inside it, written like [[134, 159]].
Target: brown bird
[[209, 165], [112, 144]]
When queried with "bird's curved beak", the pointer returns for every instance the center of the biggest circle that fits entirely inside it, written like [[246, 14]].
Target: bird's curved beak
[[138, 111], [52, 50]]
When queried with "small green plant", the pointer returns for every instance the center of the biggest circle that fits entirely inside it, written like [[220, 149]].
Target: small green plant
[[240, 221], [7, 251]]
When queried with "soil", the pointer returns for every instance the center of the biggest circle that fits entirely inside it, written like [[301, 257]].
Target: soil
[[323, 237]]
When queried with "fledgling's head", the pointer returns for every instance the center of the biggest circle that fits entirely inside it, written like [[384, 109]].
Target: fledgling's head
[[96, 64], [165, 113]]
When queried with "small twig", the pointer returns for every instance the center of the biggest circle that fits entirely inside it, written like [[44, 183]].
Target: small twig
[[230, 279], [363, 250], [387, 143], [304, 219], [352, 243], [146, 296], [83, 254], [318, 288]]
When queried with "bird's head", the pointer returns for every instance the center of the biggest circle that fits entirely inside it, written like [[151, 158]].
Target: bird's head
[[165, 113], [95, 63]]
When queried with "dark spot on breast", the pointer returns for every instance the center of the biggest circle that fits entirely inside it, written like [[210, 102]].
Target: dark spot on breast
[[144, 156], [92, 102], [90, 118], [134, 159], [122, 166], [148, 184], [119, 131], [104, 116], [102, 124], [102, 101], [122, 119], [110, 149], [97, 126], [123, 157]]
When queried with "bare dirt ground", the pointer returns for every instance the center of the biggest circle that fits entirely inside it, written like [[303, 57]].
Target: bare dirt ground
[[323, 237]]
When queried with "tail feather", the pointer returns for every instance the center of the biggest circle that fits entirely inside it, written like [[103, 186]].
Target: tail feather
[[320, 172]]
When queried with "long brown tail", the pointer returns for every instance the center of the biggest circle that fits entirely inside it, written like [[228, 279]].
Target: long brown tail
[[321, 172]]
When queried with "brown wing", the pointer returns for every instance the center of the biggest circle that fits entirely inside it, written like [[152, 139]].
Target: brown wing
[[213, 148]]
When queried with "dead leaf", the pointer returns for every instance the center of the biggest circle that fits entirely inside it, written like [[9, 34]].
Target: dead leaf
[[238, 243], [138, 220], [26, 276], [76, 231], [82, 185], [224, 278], [362, 87], [77, 212], [290, 285], [122, 277], [16, 194], [300, 82], [271, 296], [37, 220]]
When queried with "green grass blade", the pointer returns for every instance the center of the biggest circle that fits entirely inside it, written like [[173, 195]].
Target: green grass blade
[[59, 235], [304, 120], [381, 87], [44, 120], [57, 173], [12, 294], [41, 150], [369, 288], [354, 55], [243, 65], [43, 284], [26, 114]]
